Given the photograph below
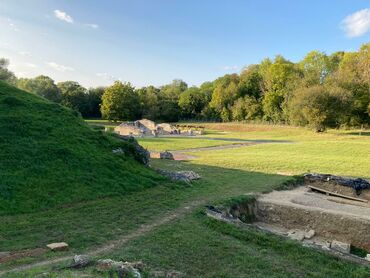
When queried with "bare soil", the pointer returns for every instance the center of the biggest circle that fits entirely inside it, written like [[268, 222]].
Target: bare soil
[[330, 217]]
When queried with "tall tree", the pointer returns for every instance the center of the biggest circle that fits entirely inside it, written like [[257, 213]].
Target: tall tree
[[94, 99], [320, 106], [5, 74], [169, 97], [41, 85], [278, 76], [192, 102], [74, 96], [226, 91], [316, 67], [120, 102], [149, 101], [251, 82]]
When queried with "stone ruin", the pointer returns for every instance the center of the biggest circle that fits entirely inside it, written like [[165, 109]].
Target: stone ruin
[[327, 212], [145, 128]]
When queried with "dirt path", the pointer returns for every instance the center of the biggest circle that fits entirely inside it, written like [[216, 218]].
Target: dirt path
[[141, 231], [182, 154]]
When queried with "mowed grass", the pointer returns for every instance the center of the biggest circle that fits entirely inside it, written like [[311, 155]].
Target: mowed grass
[[194, 244], [180, 143]]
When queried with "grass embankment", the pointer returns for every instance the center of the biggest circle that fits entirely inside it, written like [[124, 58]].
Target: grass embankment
[[50, 157], [195, 245]]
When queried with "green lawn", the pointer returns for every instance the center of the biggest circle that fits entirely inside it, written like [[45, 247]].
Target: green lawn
[[194, 244], [180, 143]]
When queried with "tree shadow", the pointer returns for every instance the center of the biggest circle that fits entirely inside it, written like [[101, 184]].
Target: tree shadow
[[359, 133]]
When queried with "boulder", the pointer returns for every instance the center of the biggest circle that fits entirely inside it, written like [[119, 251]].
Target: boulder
[[80, 261], [186, 176], [57, 246], [341, 246], [309, 234], [108, 264], [118, 151], [173, 274], [296, 235], [166, 155]]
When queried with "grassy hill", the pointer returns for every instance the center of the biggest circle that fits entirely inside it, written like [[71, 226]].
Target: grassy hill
[[50, 157]]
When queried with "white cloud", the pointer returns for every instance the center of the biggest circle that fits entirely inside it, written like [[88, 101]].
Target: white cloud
[[59, 67], [92, 25], [357, 24], [230, 67], [24, 53], [30, 65], [12, 25], [63, 16], [106, 76]]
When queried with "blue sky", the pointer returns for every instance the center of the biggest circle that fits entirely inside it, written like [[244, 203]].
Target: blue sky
[[154, 41]]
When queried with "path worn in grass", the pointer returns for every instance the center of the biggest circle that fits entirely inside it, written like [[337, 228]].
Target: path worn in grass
[[144, 229], [181, 154]]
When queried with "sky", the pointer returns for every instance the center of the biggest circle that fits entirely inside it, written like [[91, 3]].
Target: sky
[[152, 42]]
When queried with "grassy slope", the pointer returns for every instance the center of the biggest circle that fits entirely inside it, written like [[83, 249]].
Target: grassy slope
[[195, 245], [49, 157]]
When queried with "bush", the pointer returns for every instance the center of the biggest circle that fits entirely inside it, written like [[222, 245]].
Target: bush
[[319, 107]]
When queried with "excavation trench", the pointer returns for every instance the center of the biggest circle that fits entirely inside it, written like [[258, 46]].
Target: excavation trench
[[305, 215]]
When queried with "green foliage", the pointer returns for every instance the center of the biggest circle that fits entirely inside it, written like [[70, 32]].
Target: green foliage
[[315, 66], [225, 91], [261, 91], [50, 157], [319, 106], [74, 96], [149, 101], [247, 108], [272, 105], [169, 98], [94, 99], [251, 82], [5, 74], [192, 102], [41, 85], [120, 102]]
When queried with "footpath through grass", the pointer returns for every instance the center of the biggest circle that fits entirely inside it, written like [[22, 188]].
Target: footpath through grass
[[195, 245]]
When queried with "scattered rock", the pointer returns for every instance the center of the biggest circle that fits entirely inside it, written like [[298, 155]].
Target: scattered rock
[[166, 155], [57, 246], [163, 274], [80, 261], [357, 184], [128, 271], [118, 151], [136, 150], [4, 254], [368, 257], [186, 176], [173, 274], [124, 269], [157, 274], [139, 265], [296, 235], [341, 246], [309, 234], [162, 155], [108, 263]]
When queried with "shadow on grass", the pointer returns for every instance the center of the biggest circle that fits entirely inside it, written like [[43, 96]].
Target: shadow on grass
[[86, 225], [359, 133], [174, 137]]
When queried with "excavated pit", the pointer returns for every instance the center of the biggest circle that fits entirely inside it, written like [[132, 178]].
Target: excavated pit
[[332, 218]]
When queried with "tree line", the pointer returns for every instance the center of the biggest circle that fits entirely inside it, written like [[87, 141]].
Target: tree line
[[320, 91]]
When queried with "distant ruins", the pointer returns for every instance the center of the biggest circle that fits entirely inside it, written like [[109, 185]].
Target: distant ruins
[[147, 128]]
